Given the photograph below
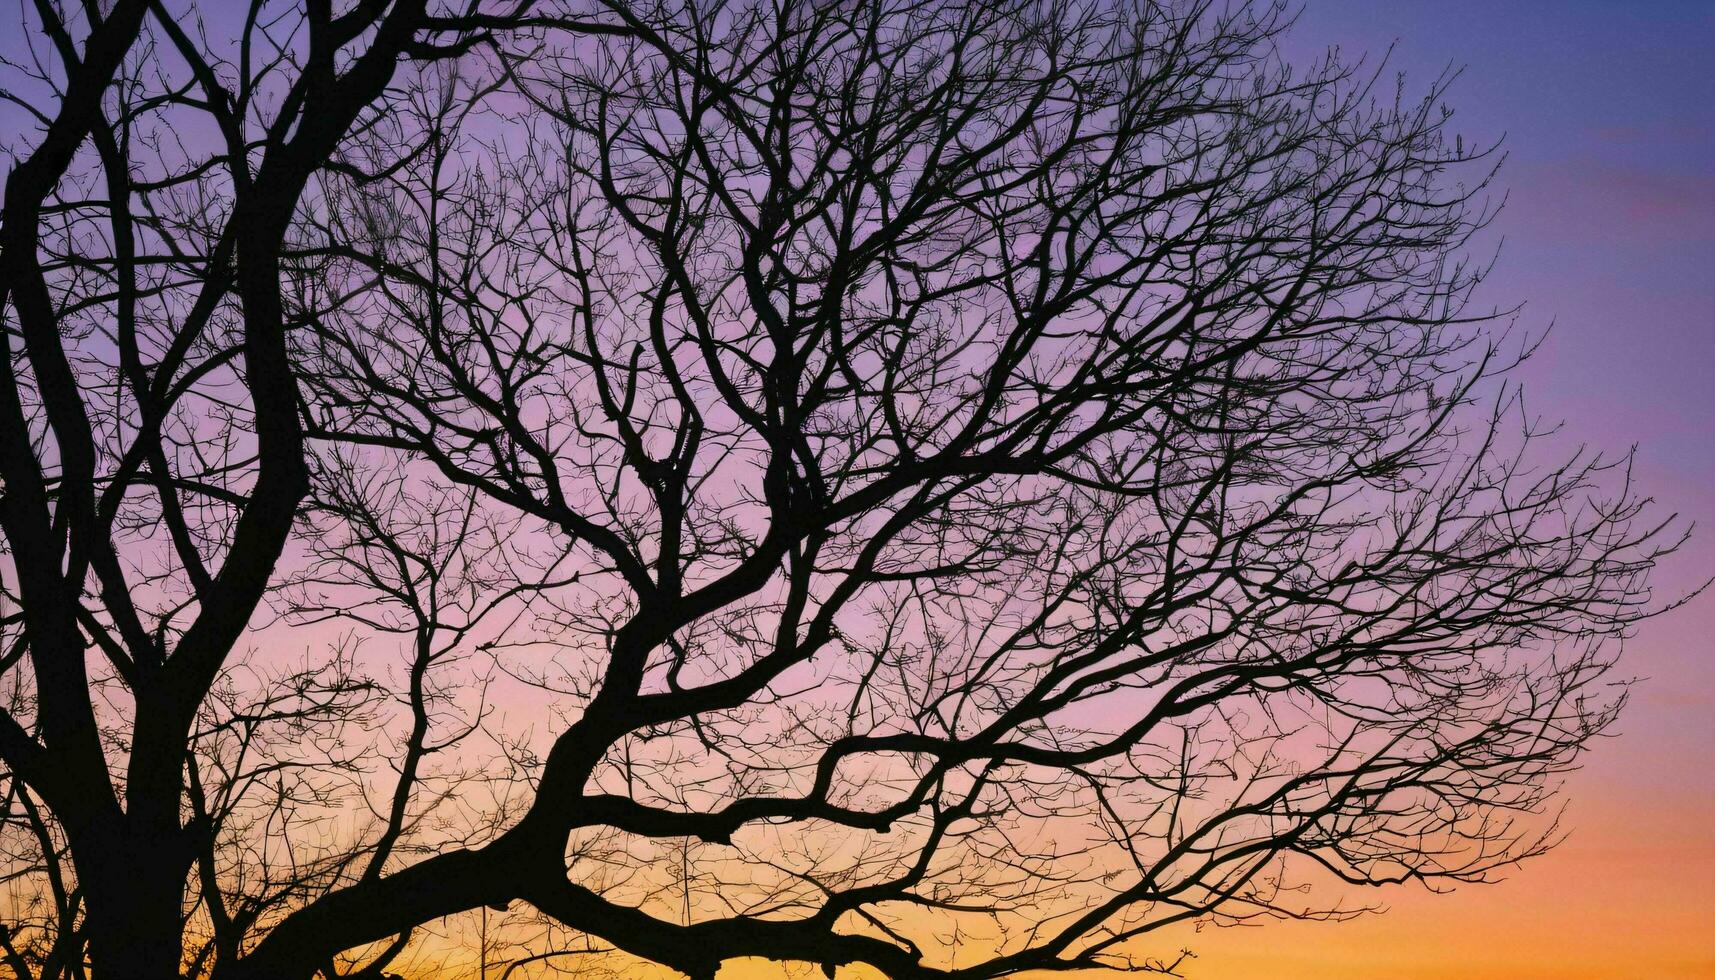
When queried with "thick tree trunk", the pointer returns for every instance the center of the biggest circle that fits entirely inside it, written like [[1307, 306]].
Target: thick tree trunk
[[136, 899]]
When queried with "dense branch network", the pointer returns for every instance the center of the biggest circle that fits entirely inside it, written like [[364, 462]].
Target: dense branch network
[[822, 481]]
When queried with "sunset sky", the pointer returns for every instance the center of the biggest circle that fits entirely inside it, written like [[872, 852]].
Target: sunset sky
[[1608, 110], [1605, 114]]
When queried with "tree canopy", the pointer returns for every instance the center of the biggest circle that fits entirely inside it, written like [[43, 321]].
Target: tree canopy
[[948, 486]]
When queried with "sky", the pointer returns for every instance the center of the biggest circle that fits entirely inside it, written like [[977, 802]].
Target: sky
[[1607, 112], [1607, 108]]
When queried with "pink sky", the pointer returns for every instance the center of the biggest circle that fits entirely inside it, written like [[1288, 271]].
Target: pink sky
[[1608, 112], [1608, 109]]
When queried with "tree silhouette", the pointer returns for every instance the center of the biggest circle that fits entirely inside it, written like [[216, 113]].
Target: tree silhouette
[[966, 484]]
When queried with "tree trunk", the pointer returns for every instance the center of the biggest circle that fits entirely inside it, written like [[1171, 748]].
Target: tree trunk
[[135, 908]]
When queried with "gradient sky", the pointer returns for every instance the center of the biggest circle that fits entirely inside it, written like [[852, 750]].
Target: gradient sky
[[1608, 113], [1607, 108]]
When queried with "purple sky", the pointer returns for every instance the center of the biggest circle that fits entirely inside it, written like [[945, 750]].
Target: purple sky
[[1608, 112]]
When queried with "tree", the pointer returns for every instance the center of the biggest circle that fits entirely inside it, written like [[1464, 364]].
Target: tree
[[151, 454], [1016, 473]]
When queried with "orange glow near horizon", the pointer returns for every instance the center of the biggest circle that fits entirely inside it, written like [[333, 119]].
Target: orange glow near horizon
[[1627, 897]]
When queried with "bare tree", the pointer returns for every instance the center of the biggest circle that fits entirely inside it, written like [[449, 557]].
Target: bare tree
[[968, 484], [150, 448]]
